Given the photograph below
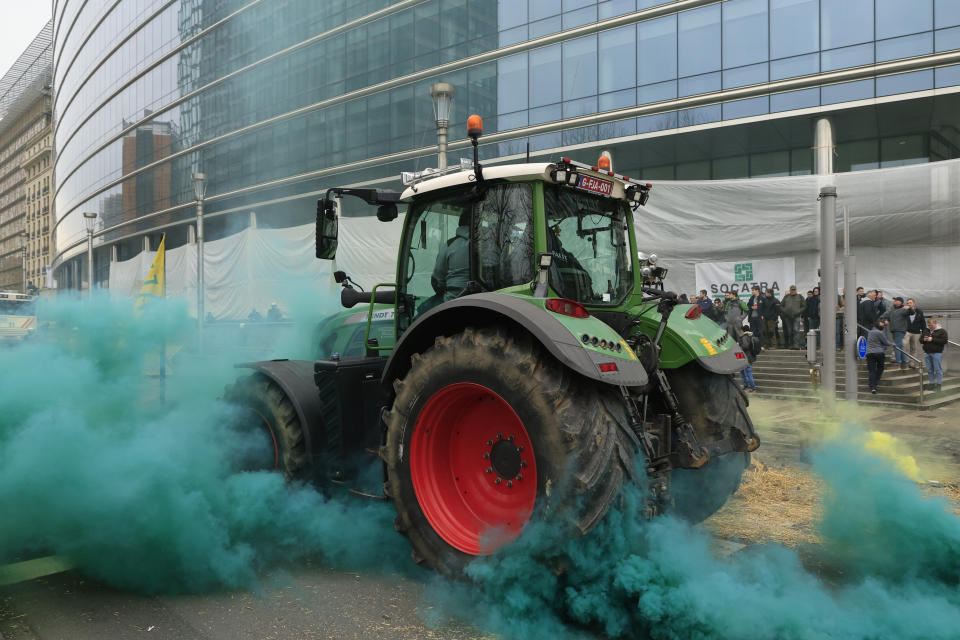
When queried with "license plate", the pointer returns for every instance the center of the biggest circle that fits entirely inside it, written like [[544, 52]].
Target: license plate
[[595, 185]]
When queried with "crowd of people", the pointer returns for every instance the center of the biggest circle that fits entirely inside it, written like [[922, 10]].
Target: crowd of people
[[765, 322]]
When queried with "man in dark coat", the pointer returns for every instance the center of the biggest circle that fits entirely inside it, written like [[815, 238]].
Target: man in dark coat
[[812, 312], [877, 345], [771, 314], [934, 339], [755, 313], [791, 310], [868, 311], [915, 326]]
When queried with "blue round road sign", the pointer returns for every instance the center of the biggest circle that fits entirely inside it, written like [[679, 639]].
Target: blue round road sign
[[862, 347]]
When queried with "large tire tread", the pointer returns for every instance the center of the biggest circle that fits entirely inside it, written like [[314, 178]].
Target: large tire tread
[[258, 392], [585, 432]]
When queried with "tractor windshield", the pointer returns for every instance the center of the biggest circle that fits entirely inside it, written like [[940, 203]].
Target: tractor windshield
[[589, 240]]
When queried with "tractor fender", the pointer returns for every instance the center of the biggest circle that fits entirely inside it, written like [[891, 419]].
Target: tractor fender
[[295, 377], [486, 309], [701, 339]]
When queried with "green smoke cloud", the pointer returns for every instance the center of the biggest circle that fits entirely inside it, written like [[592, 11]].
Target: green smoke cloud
[[143, 494], [892, 554]]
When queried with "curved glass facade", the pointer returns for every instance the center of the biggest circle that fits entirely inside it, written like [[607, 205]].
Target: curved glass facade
[[276, 100]]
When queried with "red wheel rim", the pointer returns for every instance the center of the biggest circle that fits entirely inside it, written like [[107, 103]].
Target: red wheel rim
[[473, 468]]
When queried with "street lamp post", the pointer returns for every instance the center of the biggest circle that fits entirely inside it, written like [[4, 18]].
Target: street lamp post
[[89, 219], [200, 190], [442, 94], [23, 257]]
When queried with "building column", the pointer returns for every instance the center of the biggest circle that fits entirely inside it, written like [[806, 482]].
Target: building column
[[824, 147]]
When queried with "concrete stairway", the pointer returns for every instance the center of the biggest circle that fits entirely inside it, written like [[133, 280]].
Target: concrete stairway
[[785, 373]]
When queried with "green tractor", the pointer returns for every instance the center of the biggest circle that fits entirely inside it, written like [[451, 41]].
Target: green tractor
[[526, 363]]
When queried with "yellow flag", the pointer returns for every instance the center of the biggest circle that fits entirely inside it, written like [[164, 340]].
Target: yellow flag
[[155, 286]]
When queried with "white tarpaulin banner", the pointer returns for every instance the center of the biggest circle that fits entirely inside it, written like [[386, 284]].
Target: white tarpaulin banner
[[741, 276]]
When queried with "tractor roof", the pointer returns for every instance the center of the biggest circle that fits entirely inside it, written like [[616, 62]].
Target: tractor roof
[[509, 172]]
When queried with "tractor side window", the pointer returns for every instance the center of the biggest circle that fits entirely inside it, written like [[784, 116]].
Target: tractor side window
[[505, 236], [437, 259]]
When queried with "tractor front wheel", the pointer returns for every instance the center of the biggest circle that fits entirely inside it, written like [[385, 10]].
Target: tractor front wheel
[[714, 404], [486, 434], [264, 410]]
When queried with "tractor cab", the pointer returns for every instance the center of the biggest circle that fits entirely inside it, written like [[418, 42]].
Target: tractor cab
[[472, 229]]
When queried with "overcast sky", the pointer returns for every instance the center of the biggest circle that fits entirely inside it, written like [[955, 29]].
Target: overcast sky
[[20, 22]]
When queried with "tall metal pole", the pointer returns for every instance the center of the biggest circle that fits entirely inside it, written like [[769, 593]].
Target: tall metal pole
[[200, 189], [89, 263], [24, 236], [90, 220], [850, 325], [828, 289]]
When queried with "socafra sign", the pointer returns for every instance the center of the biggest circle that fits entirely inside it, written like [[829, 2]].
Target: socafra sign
[[719, 277]]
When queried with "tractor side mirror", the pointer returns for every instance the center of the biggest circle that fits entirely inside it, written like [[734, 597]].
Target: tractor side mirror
[[387, 212], [326, 229]]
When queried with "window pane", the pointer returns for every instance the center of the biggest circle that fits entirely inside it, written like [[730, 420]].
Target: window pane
[[905, 47], [657, 92], [616, 8], [699, 115], [729, 168], [754, 74], [901, 150], [580, 68], [905, 82], [746, 108], [857, 156], [744, 32], [580, 17], [545, 75], [699, 40], [512, 83], [794, 100], [512, 13], [846, 57], [794, 27], [948, 76], [699, 84], [540, 9], [513, 36], [657, 50], [801, 162], [618, 51], [857, 90], [947, 13], [545, 27], [947, 39], [792, 67], [694, 170], [767, 165], [618, 100], [505, 238], [900, 17], [659, 122], [844, 22]]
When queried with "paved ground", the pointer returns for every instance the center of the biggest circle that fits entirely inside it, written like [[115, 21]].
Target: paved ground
[[316, 602]]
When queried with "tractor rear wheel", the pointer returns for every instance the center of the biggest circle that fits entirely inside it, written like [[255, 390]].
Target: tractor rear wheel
[[713, 404], [263, 408], [486, 433]]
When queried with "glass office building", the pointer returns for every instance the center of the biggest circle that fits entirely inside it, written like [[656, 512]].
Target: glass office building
[[277, 100]]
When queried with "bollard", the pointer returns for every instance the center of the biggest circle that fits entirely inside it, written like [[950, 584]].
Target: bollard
[[813, 337]]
